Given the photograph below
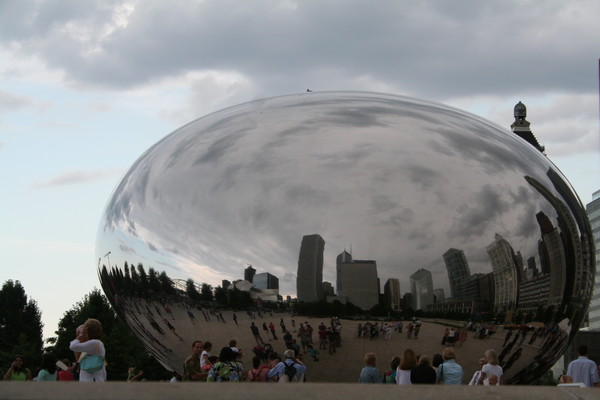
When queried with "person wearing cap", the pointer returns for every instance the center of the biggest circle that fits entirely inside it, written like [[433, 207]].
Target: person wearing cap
[[277, 371]]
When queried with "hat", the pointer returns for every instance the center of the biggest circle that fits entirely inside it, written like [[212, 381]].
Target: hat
[[289, 353]]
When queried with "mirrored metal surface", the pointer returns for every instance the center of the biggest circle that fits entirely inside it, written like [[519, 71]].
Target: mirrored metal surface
[[451, 216]]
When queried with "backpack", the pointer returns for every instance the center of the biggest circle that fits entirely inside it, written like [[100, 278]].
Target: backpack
[[289, 373]]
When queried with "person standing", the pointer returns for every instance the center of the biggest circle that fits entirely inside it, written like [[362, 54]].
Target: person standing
[[583, 370], [93, 346]]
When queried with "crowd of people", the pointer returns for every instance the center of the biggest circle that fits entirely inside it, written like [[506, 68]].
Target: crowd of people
[[88, 351], [411, 369]]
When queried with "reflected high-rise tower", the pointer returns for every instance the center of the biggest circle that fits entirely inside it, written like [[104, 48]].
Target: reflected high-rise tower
[[458, 270], [310, 269], [506, 275], [249, 273], [552, 255], [391, 292], [421, 287], [343, 257]]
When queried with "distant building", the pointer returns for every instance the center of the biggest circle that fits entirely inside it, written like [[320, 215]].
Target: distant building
[[310, 269], [343, 257], [421, 287], [593, 212], [249, 273], [327, 289], [438, 295], [391, 292], [552, 257], [521, 127], [225, 284], [406, 301], [458, 270], [360, 283], [266, 281]]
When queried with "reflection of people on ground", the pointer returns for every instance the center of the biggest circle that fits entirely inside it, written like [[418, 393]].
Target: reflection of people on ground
[[423, 373], [272, 329], [583, 369], [491, 368], [17, 372], [445, 336], [450, 372], [408, 361], [256, 334], [235, 318], [369, 373], [462, 336]]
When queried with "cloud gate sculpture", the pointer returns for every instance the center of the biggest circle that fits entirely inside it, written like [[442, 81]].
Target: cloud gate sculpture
[[337, 197]]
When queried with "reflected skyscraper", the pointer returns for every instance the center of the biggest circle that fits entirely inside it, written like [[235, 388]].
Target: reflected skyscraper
[[343, 257], [266, 280], [249, 273], [421, 287], [458, 270], [310, 269], [360, 282], [504, 266], [552, 256], [391, 291]]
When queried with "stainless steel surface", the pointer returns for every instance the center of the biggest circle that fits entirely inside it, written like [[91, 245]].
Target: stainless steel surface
[[393, 179]]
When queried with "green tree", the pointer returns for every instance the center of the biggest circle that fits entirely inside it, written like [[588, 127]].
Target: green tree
[[221, 295], [123, 349], [20, 325], [206, 292]]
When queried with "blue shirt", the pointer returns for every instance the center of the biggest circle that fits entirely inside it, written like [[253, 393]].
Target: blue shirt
[[369, 374], [584, 370], [450, 373], [279, 370]]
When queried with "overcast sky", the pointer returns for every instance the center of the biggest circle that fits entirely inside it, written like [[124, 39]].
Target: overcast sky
[[87, 86]]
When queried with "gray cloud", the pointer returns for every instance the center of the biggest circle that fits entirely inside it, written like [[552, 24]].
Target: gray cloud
[[322, 45]]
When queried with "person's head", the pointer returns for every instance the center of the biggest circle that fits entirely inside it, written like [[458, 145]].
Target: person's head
[[274, 357], [448, 353], [92, 329], [197, 347], [289, 354], [395, 362], [565, 379], [233, 343], [437, 360], [49, 363], [226, 354], [424, 360], [370, 359], [491, 357], [255, 362], [408, 360], [207, 346], [582, 350], [18, 363], [493, 380]]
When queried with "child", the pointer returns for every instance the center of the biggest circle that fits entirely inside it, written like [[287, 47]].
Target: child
[[313, 352]]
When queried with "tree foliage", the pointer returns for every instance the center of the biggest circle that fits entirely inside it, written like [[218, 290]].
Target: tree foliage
[[20, 325]]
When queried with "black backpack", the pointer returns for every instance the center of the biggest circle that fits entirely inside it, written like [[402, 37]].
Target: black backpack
[[289, 372]]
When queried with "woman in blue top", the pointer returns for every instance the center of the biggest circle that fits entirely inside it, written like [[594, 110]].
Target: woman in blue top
[[449, 373], [370, 374]]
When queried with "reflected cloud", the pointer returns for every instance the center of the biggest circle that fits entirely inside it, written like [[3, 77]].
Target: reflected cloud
[[395, 181]]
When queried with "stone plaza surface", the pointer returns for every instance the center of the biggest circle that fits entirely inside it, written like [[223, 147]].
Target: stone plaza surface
[[252, 391]]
